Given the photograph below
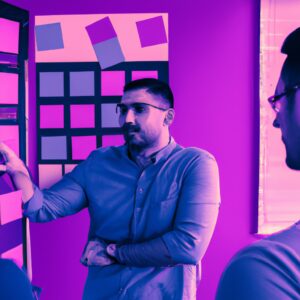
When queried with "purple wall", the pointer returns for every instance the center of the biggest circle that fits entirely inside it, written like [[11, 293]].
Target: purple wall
[[214, 53]]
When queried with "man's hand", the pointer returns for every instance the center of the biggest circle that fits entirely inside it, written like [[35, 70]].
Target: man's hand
[[18, 172], [95, 254]]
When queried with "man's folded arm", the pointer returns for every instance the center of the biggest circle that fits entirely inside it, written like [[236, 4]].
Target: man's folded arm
[[196, 216]]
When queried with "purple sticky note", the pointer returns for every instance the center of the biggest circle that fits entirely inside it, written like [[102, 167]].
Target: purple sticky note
[[112, 140], [51, 116], [112, 83], [54, 147], [10, 235], [152, 31], [109, 117], [10, 207], [49, 37], [109, 53], [51, 84], [101, 31], [82, 116], [82, 146], [49, 174], [9, 88], [144, 74], [9, 32], [82, 83]]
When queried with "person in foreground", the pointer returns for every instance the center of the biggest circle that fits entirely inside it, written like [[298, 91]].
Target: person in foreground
[[270, 268], [153, 204]]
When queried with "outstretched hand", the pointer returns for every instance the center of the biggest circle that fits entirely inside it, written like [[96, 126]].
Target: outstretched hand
[[14, 166]]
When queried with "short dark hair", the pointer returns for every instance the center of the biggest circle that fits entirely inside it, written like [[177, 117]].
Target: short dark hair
[[290, 72], [152, 86]]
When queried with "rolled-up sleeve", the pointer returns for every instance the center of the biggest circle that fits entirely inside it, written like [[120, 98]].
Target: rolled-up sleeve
[[195, 220], [64, 198]]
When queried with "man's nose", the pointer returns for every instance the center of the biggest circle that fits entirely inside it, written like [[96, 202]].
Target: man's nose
[[276, 122], [129, 117]]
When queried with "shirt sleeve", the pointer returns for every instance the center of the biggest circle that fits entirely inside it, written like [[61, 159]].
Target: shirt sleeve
[[64, 198], [194, 223], [260, 272]]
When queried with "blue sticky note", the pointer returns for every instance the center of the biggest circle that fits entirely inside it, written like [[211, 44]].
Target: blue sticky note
[[54, 147], [82, 83], [109, 53], [109, 117], [51, 84], [49, 37]]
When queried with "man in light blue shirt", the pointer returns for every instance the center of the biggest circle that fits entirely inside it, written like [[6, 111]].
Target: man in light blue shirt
[[153, 204]]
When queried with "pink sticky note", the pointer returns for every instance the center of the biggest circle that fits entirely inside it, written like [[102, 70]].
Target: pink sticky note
[[52, 116], [9, 88], [49, 174], [112, 83], [10, 207], [82, 146], [112, 140], [9, 134], [16, 254], [144, 74], [69, 167], [82, 116], [9, 32]]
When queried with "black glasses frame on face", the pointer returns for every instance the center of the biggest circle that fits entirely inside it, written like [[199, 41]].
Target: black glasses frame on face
[[138, 107], [273, 100]]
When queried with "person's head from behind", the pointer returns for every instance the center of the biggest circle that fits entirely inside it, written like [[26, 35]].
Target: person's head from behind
[[146, 112], [286, 101]]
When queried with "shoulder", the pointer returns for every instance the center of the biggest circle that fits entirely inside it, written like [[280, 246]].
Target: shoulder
[[261, 271]]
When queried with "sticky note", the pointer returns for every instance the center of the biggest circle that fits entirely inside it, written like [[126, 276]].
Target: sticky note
[[11, 235], [109, 53], [152, 31], [82, 116], [49, 174], [51, 116], [9, 88], [112, 140], [9, 134], [8, 113], [15, 254], [82, 146], [112, 83], [69, 167], [135, 75], [54, 147], [82, 83], [9, 32], [49, 37], [109, 117], [51, 84], [101, 30], [10, 207]]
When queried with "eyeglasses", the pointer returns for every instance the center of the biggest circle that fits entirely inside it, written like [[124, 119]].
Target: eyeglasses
[[137, 108], [274, 100]]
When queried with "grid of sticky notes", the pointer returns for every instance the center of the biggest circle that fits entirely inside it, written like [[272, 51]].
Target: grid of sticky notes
[[105, 43], [11, 232], [76, 111]]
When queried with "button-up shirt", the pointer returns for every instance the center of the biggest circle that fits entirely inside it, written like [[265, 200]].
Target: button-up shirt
[[162, 217]]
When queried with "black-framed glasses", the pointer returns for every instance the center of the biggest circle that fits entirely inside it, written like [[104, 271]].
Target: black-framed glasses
[[274, 100], [137, 108]]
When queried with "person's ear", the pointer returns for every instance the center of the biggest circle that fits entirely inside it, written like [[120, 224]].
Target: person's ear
[[169, 118]]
